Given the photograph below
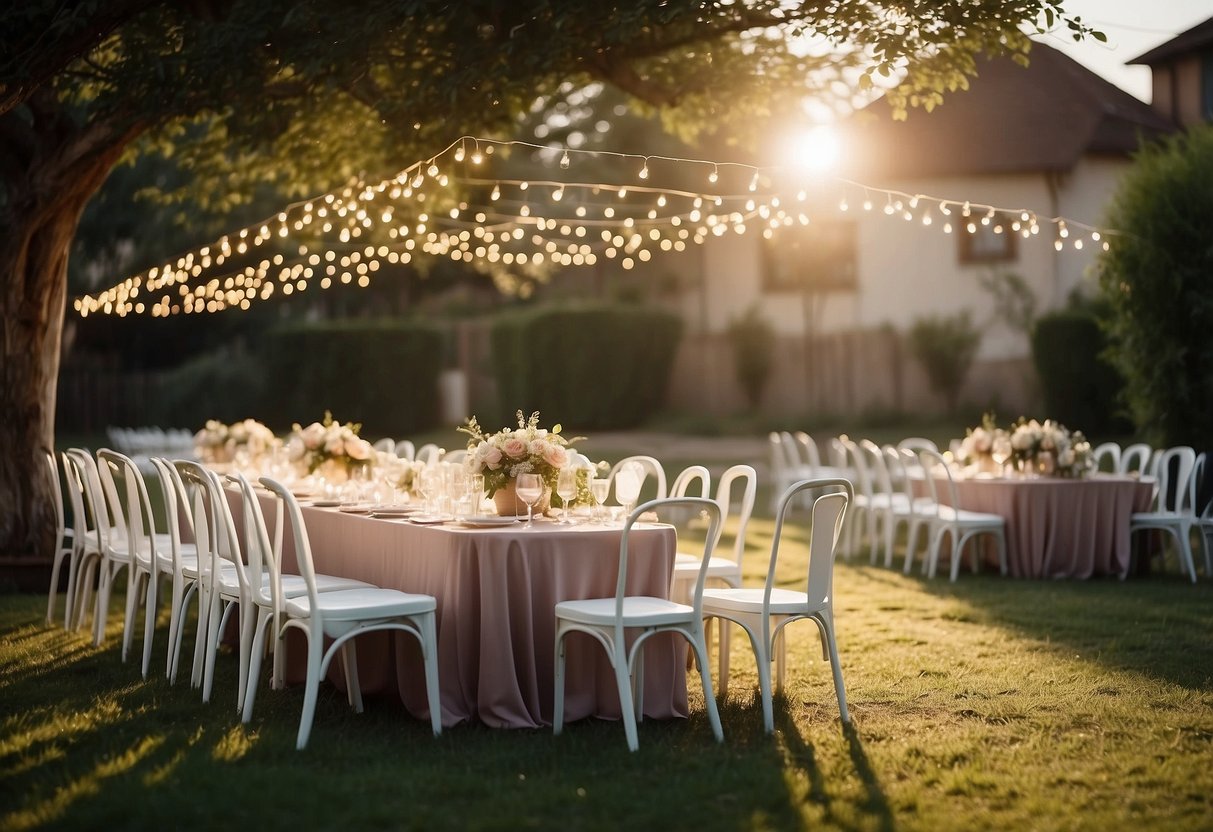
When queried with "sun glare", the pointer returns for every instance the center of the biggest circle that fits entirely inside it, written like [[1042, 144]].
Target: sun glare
[[816, 149]]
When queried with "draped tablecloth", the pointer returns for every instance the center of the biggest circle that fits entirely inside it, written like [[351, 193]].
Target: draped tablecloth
[[1060, 528], [497, 590]]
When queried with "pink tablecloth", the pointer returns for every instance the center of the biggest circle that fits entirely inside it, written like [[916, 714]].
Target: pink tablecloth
[[1061, 528], [497, 590]]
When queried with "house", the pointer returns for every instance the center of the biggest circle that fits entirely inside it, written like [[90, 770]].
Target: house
[[1052, 138], [1182, 73]]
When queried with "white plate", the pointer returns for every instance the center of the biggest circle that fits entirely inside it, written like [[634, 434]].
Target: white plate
[[430, 519], [326, 503], [487, 520], [393, 511], [356, 508]]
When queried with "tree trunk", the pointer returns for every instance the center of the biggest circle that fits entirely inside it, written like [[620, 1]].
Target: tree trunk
[[37, 223]]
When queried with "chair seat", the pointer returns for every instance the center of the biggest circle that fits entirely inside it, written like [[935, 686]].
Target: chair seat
[[749, 600], [717, 567], [1167, 518], [638, 611], [964, 517], [294, 586], [360, 604]]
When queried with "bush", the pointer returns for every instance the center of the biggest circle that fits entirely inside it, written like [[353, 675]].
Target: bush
[[381, 373], [596, 366], [222, 384], [1080, 388], [753, 340], [946, 346], [1157, 278]]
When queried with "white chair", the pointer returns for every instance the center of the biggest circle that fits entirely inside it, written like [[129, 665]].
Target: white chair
[[455, 457], [650, 466], [688, 477], [608, 620], [428, 454], [110, 556], [341, 616], [385, 445], [864, 515], [916, 444], [264, 560], [905, 468], [1173, 511], [1109, 451], [722, 569], [1204, 518], [787, 464], [765, 612], [84, 541], [959, 525], [1135, 457], [893, 508], [65, 548], [406, 450]]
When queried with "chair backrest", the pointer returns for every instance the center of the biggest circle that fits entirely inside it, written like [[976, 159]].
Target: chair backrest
[[933, 464], [858, 459], [650, 466], [1109, 452], [289, 506], [137, 508], [73, 477], [1174, 472], [172, 493], [406, 450], [385, 445], [899, 477], [917, 443], [214, 529], [689, 476], [263, 557], [94, 496], [878, 469], [1135, 457], [456, 457], [827, 517], [808, 449], [724, 498], [56, 499], [106, 469], [791, 450], [680, 504], [428, 454], [838, 453], [779, 460]]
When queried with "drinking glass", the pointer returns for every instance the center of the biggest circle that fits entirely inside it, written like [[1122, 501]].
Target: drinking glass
[[429, 479], [529, 488], [566, 489], [476, 487], [600, 488], [1001, 452], [627, 487]]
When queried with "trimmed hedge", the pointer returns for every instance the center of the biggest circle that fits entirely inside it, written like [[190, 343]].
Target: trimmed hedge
[[382, 373], [602, 366], [1080, 388]]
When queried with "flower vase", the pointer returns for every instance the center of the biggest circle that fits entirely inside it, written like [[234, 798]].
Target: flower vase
[[508, 504]]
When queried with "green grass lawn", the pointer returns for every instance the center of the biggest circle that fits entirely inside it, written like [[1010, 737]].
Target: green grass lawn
[[989, 703]]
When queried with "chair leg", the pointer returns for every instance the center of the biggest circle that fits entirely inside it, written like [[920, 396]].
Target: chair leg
[[724, 636], [701, 648], [637, 675], [247, 623], [69, 602], [150, 610], [623, 681], [827, 628], [349, 665], [558, 687], [315, 647], [53, 592], [254, 670], [762, 656], [134, 586], [427, 626]]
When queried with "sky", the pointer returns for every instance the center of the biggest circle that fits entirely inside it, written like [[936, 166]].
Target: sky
[[1132, 27]]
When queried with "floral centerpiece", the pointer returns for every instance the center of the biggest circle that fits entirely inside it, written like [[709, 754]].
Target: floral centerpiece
[[528, 448], [217, 442], [1047, 448], [329, 449]]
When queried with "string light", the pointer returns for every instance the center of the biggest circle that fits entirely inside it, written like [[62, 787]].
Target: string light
[[486, 228]]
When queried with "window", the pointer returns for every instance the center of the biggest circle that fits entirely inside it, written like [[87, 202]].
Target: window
[[983, 239], [820, 256]]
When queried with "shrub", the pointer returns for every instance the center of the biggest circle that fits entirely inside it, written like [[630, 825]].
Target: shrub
[[946, 346], [1157, 278], [1079, 386], [753, 340], [223, 384], [381, 373], [598, 366]]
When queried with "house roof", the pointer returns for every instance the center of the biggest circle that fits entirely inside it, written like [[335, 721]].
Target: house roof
[[1185, 43], [1012, 119]]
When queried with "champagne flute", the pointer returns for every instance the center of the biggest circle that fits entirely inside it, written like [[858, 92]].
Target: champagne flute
[[600, 488], [1001, 452], [627, 488], [427, 484], [566, 489], [529, 488]]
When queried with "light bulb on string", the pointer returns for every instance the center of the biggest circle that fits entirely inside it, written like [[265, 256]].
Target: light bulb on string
[[496, 194], [460, 153], [644, 170], [714, 176], [564, 161], [754, 182], [432, 170]]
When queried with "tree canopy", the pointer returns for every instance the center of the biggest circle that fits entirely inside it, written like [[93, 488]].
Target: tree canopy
[[303, 94]]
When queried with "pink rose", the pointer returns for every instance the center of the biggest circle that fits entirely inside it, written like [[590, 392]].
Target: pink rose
[[358, 449], [538, 447], [334, 446], [313, 436], [492, 457], [556, 456], [514, 447]]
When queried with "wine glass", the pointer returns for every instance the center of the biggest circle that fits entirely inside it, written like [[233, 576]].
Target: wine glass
[[600, 488], [566, 489], [627, 487], [529, 488], [1000, 451], [429, 479]]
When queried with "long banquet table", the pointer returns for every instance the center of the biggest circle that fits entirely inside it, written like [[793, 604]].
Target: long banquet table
[[1060, 528], [496, 590]]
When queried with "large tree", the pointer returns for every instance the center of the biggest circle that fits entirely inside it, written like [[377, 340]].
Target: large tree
[[305, 93]]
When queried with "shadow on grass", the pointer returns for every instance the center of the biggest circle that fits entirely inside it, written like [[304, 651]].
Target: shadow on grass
[[1156, 626]]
